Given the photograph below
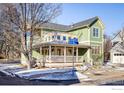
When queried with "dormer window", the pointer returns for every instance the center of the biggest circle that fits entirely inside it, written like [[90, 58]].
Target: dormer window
[[95, 32]]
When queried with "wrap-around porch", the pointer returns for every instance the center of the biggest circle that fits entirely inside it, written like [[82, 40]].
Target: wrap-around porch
[[60, 53]]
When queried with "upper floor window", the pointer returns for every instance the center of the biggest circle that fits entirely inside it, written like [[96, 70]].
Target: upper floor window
[[53, 37], [49, 38], [58, 37], [64, 37], [95, 32]]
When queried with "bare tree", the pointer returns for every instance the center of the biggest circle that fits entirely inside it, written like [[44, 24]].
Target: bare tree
[[107, 47], [27, 18], [10, 40]]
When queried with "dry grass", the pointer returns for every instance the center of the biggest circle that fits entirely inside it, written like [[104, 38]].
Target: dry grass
[[104, 75]]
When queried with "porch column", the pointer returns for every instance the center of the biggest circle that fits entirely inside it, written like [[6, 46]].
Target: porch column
[[41, 59], [55, 51], [89, 56], [64, 54], [76, 54], [41, 50], [44, 57], [49, 55], [73, 56]]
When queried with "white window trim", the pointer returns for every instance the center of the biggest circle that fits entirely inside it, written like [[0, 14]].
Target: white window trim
[[98, 32]]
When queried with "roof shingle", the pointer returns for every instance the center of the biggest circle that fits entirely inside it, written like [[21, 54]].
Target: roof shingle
[[61, 27]]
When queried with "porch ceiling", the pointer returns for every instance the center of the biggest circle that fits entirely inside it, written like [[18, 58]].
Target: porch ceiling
[[61, 45]]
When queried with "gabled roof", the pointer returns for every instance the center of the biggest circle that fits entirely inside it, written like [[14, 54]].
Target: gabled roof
[[118, 47], [55, 26], [85, 23]]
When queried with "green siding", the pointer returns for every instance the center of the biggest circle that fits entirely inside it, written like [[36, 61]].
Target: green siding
[[100, 38], [99, 56], [81, 33]]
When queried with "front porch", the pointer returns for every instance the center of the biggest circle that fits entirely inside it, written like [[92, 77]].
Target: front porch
[[60, 55]]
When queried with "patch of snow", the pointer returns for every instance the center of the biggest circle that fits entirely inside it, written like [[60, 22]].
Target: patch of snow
[[84, 68], [88, 80], [39, 71], [33, 71], [51, 74], [41, 74], [88, 73], [10, 69], [7, 73], [119, 68], [109, 64], [81, 76]]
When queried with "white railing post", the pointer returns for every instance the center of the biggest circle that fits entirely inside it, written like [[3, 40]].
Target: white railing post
[[64, 55], [73, 56], [76, 54], [49, 55]]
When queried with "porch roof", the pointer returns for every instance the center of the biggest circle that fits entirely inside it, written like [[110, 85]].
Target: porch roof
[[61, 45]]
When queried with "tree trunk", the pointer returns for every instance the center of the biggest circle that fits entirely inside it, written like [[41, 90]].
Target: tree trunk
[[24, 49], [30, 48]]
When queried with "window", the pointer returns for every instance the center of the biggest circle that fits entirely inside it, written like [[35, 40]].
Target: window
[[93, 50], [52, 37], [58, 51], [64, 37], [95, 32], [118, 54], [49, 38], [58, 37], [96, 49]]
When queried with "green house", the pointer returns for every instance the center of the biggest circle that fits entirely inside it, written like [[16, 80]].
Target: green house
[[51, 42]]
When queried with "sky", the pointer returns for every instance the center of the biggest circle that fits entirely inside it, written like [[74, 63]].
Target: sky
[[112, 15]]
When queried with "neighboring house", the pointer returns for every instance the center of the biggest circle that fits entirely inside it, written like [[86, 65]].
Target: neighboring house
[[117, 51], [80, 42]]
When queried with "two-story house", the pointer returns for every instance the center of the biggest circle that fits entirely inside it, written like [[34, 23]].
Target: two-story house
[[80, 42]]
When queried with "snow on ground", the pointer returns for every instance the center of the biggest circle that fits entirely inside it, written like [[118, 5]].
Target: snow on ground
[[41, 74], [120, 68], [51, 74], [10, 69]]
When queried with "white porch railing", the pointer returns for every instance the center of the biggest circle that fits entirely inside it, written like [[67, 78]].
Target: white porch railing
[[57, 58]]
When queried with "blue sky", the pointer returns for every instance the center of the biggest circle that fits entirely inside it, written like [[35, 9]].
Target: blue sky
[[112, 15]]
